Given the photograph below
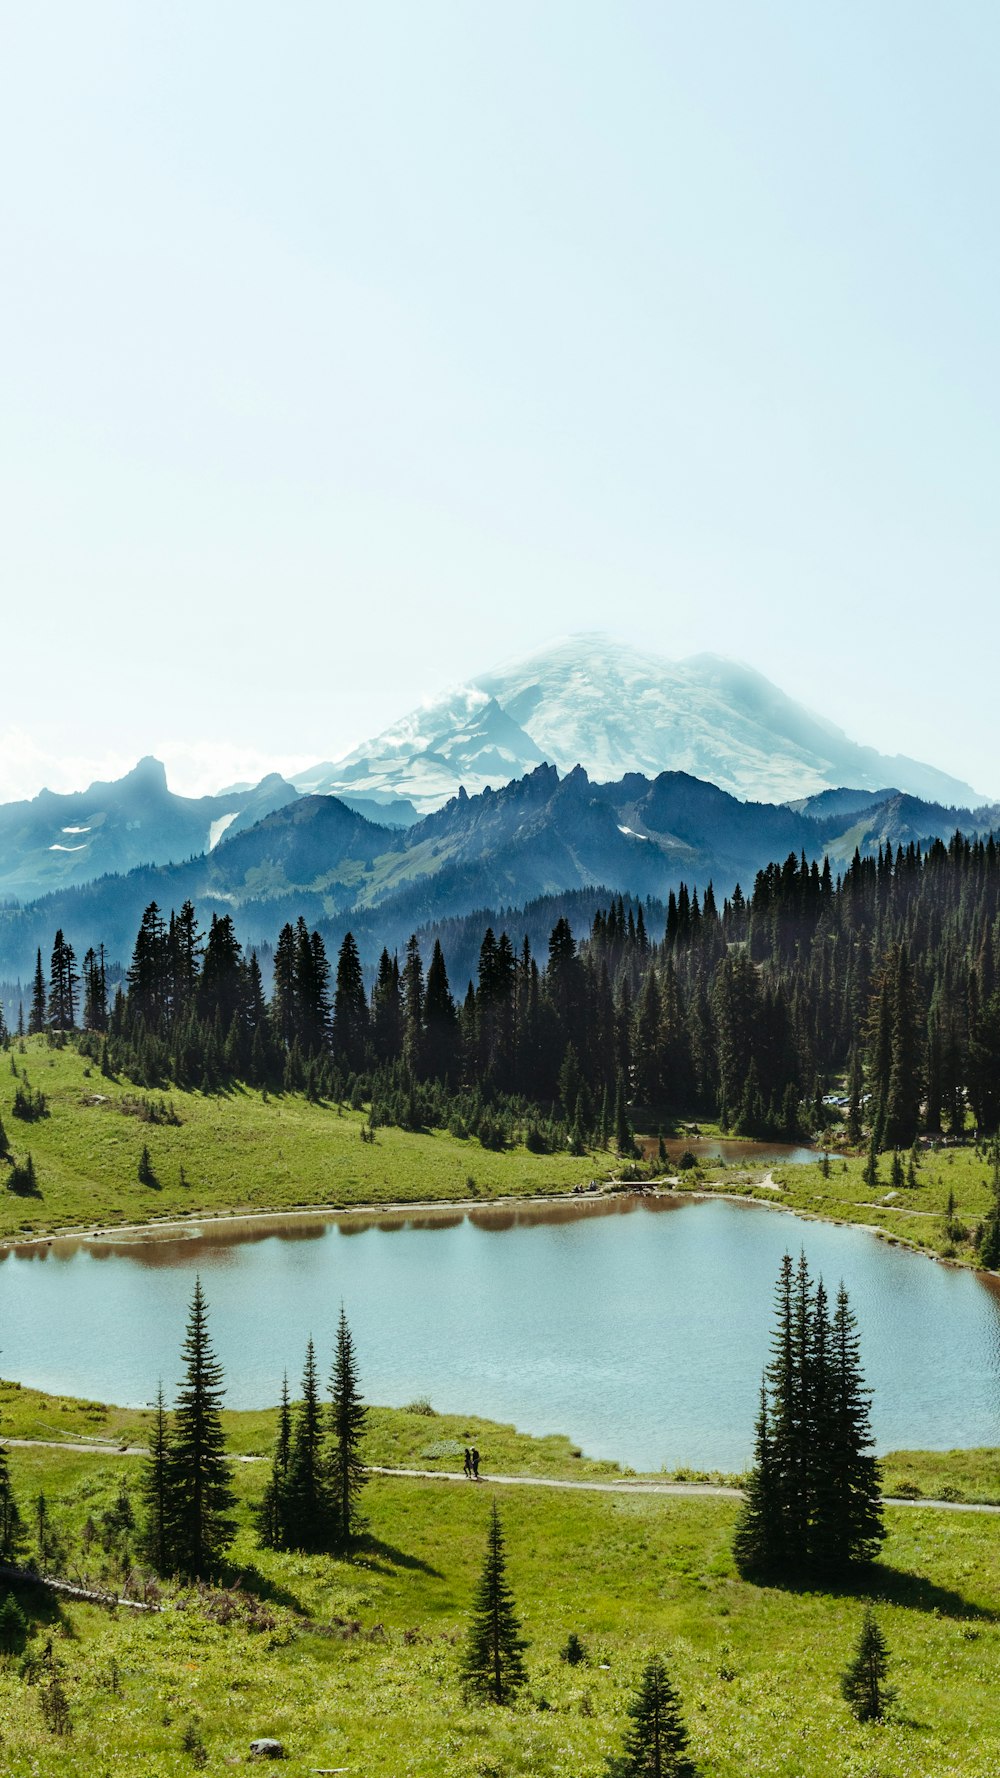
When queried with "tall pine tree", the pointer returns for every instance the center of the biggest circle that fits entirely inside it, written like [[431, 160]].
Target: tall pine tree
[[813, 1497], [155, 1540], [493, 1665], [199, 1497], [347, 1425], [307, 1510], [272, 1511], [656, 1740]]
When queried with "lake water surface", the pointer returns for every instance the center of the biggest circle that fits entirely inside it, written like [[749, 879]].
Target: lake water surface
[[637, 1326]]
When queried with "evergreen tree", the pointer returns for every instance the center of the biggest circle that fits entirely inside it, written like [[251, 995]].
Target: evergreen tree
[[857, 1084], [39, 999], [150, 971], [221, 983], [307, 1507], [350, 1007], [95, 991], [13, 1627], [624, 1136], [863, 1684], [440, 1021], [902, 1096], [283, 997], [347, 1425], [855, 1524], [387, 1010], [271, 1517], [199, 1497], [656, 1740], [154, 1492], [814, 1494], [493, 1665], [11, 1523], [759, 1538], [413, 990]]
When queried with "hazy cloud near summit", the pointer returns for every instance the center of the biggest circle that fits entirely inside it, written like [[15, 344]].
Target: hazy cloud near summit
[[194, 768]]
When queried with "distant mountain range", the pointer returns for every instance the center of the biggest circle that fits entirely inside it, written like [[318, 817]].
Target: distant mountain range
[[541, 835], [589, 765], [595, 702], [57, 840]]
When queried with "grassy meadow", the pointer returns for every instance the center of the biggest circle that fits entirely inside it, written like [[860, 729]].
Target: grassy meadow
[[353, 1663], [916, 1215], [243, 1151], [231, 1151]]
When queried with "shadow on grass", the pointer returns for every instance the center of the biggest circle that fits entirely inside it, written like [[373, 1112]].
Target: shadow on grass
[[883, 1584], [383, 1558], [42, 1608], [249, 1579]]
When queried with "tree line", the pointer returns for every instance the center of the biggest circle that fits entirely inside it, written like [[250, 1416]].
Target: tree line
[[186, 1519], [887, 976]]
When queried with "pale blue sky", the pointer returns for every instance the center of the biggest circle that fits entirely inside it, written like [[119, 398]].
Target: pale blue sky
[[349, 348]]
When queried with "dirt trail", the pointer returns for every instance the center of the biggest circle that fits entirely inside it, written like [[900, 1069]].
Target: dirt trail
[[505, 1481]]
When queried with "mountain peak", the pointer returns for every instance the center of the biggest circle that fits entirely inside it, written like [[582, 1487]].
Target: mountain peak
[[594, 701], [148, 774]]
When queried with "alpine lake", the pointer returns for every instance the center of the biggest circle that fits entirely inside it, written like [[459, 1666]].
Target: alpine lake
[[638, 1325]]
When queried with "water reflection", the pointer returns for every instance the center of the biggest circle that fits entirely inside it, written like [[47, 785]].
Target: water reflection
[[637, 1325]]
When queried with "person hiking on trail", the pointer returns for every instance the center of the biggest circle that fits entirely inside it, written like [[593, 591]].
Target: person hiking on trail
[[468, 1463], [474, 1454]]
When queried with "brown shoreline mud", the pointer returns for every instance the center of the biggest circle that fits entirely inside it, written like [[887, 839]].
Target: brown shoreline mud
[[614, 1197]]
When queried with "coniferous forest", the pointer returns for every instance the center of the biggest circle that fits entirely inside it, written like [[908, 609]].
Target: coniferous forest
[[887, 977]]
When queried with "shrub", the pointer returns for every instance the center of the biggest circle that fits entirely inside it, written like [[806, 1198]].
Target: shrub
[[13, 1627]]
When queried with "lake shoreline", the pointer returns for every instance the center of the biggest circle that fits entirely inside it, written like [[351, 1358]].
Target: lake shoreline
[[192, 1224]]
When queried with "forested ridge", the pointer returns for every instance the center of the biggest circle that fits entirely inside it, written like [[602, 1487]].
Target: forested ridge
[[886, 977]]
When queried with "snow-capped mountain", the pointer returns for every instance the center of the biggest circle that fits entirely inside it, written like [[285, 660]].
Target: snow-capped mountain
[[58, 839], [592, 701]]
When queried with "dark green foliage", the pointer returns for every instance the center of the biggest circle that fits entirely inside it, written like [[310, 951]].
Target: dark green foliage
[[863, 1683], [350, 1007], [199, 1499], [305, 1507], [95, 991], [118, 1526], [30, 1106], [759, 1540], [13, 1627], [193, 1745], [624, 1134], [11, 1525], [492, 1666], [22, 1179], [63, 985], [36, 1016], [573, 1650], [891, 975], [271, 1515], [347, 1425], [53, 1702], [814, 1495], [989, 1238], [144, 1171], [154, 1535], [656, 1740]]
